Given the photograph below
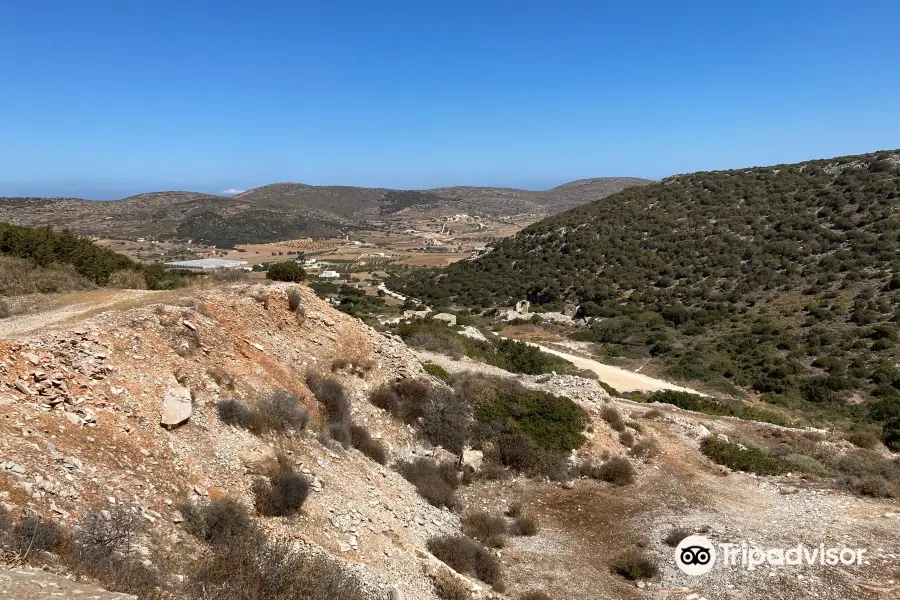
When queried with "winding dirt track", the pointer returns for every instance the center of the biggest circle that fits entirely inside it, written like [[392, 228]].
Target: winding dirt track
[[621, 379]]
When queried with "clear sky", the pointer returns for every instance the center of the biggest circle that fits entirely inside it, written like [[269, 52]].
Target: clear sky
[[101, 99]]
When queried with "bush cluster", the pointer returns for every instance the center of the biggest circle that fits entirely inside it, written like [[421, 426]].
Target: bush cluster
[[510, 355], [490, 530], [100, 548], [469, 558], [443, 417], [711, 406], [634, 565], [278, 411], [435, 482], [281, 495], [288, 270], [747, 458]]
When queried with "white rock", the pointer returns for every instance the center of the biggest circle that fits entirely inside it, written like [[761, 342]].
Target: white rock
[[176, 405], [473, 458]]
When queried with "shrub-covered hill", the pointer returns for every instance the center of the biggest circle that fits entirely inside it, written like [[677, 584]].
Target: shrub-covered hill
[[784, 279], [45, 249]]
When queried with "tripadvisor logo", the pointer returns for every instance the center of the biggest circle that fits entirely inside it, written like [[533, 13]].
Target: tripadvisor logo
[[696, 555]]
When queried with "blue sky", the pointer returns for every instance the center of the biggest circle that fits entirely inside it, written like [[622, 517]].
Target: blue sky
[[103, 99]]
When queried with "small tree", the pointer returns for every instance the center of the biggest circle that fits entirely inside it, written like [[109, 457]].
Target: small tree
[[891, 434], [286, 271]]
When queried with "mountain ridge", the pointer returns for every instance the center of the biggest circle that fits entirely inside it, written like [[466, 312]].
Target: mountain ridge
[[282, 210]]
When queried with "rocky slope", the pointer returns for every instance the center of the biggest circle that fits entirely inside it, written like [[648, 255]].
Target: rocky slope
[[83, 404]]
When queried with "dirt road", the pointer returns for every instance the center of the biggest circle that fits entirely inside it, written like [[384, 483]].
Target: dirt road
[[621, 379], [63, 308]]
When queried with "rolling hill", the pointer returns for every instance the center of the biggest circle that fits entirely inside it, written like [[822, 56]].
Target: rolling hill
[[779, 280], [288, 210]]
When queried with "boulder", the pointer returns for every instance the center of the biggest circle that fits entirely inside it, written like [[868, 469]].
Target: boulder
[[259, 462], [702, 432], [445, 317], [473, 458], [176, 405]]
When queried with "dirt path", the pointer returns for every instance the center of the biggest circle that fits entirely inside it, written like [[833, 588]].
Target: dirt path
[[76, 305], [622, 380]]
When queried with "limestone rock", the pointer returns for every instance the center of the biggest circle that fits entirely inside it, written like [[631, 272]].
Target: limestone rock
[[473, 458], [176, 405]]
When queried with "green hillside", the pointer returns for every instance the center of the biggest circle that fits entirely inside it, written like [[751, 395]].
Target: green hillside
[[49, 252], [784, 280]]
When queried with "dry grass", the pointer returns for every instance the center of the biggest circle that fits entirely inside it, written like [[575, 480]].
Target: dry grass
[[19, 277], [535, 595], [448, 586], [645, 449], [365, 443]]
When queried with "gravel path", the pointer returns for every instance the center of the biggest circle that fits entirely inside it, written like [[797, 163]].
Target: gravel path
[[71, 306]]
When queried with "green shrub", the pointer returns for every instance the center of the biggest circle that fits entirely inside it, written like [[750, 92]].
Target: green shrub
[[609, 389], [436, 370], [288, 270], [710, 406], [748, 458], [554, 423], [891, 434]]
